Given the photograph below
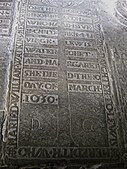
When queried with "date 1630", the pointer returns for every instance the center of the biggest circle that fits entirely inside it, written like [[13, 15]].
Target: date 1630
[[40, 99]]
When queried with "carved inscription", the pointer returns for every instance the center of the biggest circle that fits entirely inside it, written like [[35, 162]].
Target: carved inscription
[[83, 76], [76, 34], [85, 153], [41, 62], [15, 88], [37, 99], [40, 73], [83, 44], [41, 32], [84, 88], [47, 9], [82, 65], [42, 51], [38, 23], [6, 4], [81, 53], [42, 16], [50, 86], [86, 12], [40, 41], [79, 19], [60, 81], [78, 26]]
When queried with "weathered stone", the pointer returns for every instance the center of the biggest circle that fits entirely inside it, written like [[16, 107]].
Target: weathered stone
[[63, 83]]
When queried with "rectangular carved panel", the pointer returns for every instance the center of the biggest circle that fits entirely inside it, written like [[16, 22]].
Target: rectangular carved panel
[[61, 96]]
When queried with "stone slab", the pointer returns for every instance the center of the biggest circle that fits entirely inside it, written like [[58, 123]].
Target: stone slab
[[66, 103]]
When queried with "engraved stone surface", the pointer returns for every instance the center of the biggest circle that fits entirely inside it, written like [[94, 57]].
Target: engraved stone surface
[[61, 102], [6, 22], [65, 102], [4, 64], [6, 16]]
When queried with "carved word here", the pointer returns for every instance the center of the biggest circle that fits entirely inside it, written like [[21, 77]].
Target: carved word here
[[5, 22], [6, 4], [77, 19], [84, 88], [40, 73], [83, 76], [4, 31], [40, 31], [77, 34], [44, 23], [86, 12], [42, 8], [45, 51], [81, 53], [78, 26], [6, 13], [40, 61], [42, 15], [47, 41], [46, 86], [77, 43], [40, 99], [66, 152], [82, 65]]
